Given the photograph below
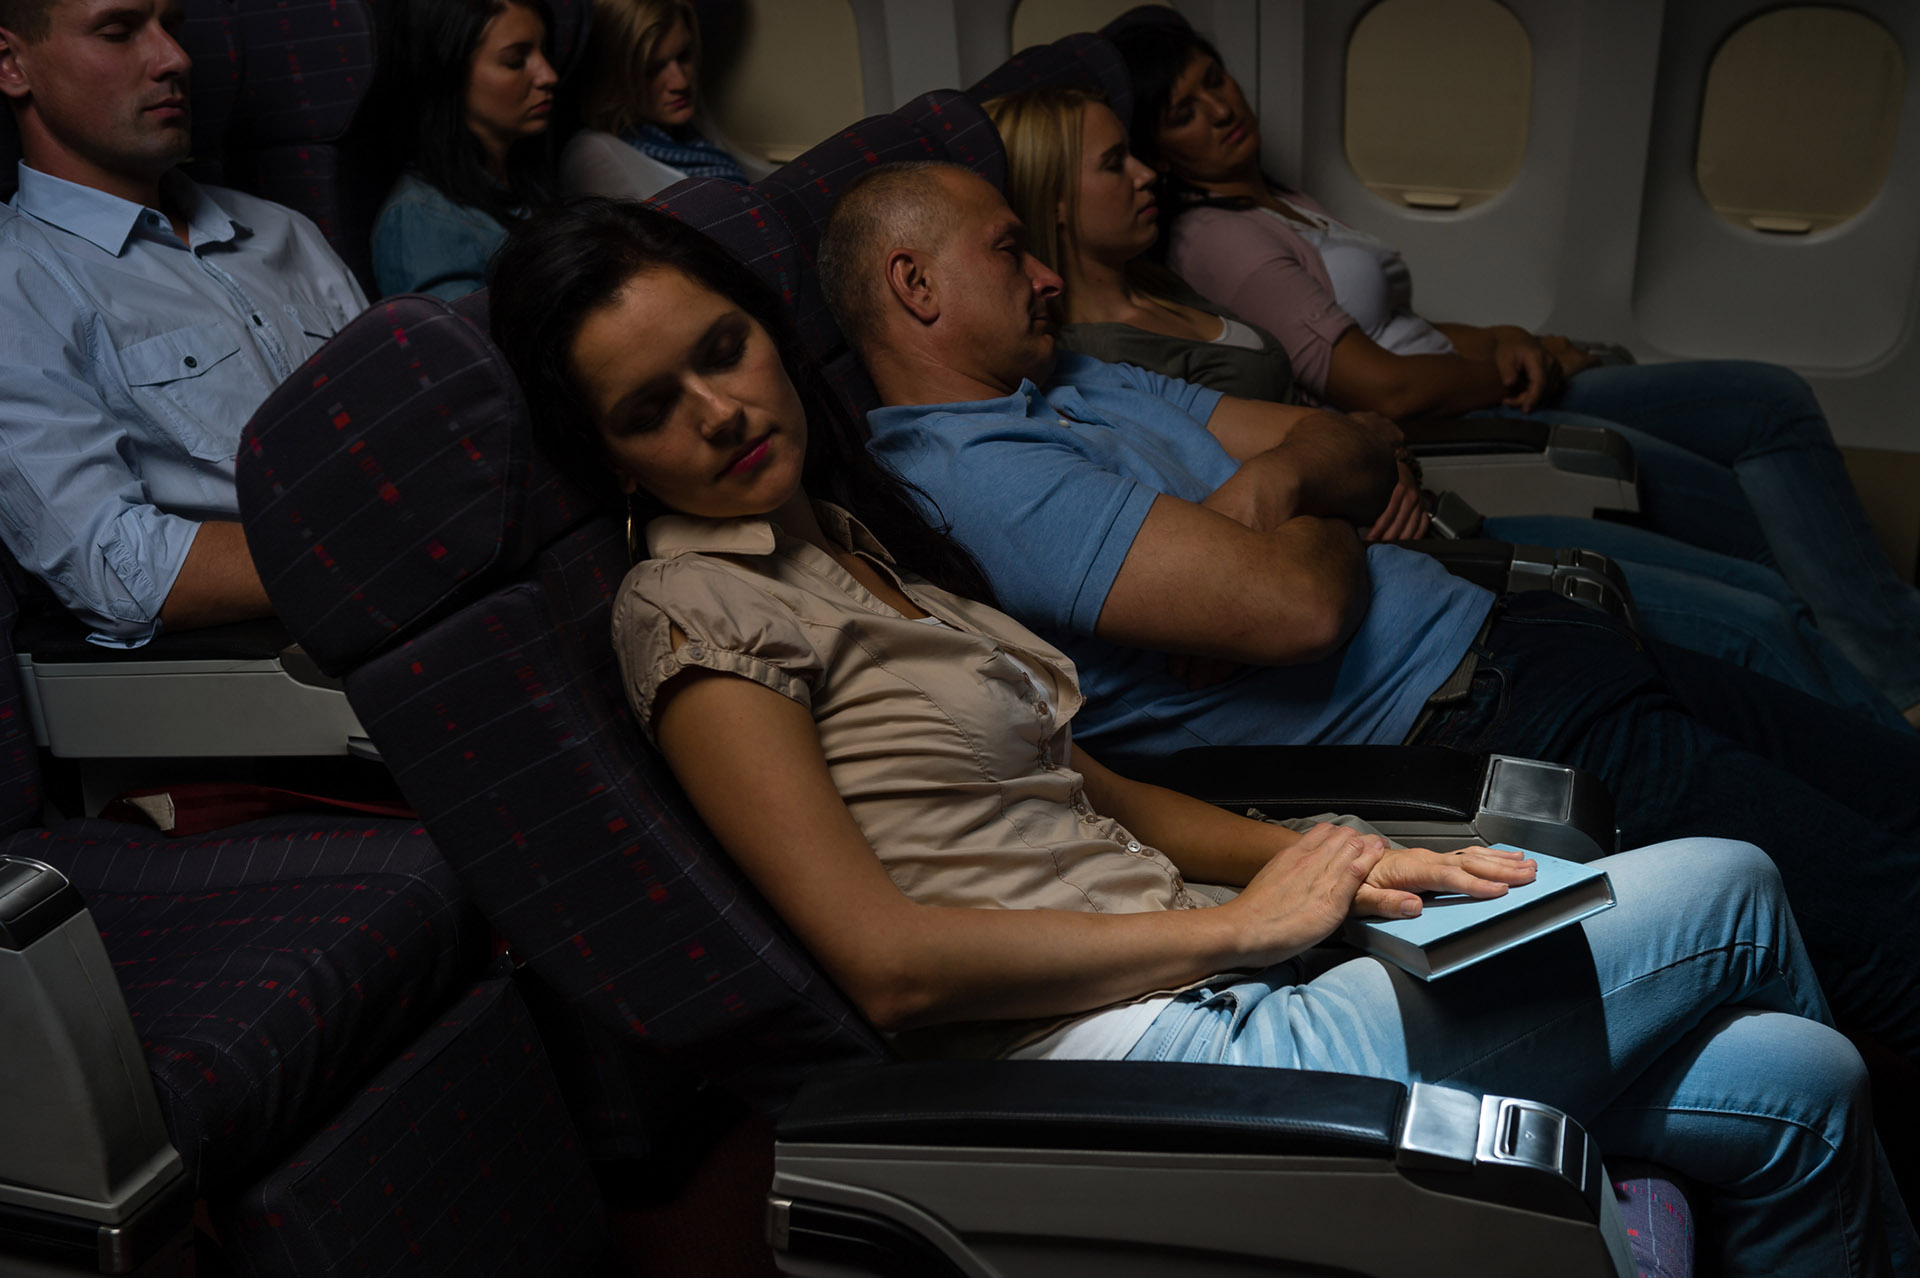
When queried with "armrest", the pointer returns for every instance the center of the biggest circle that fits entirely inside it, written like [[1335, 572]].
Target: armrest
[[962, 1167], [1437, 798], [1584, 576], [240, 690], [1581, 450], [1171, 1107], [87, 1173]]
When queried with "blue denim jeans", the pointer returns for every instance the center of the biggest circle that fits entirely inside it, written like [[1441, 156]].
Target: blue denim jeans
[[1736, 457], [1692, 746], [1684, 1026], [1733, 609]]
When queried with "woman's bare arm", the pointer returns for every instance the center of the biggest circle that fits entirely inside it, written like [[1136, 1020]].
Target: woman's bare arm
[[750, 761]]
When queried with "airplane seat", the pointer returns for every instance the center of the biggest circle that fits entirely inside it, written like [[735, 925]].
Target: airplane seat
[[293, 1020], [958, 124], [306, 137], [1085, 58], [464, 599]]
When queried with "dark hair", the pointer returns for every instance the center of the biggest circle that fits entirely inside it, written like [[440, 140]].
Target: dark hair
[[563, 264], [1157, 51], [433, 47]]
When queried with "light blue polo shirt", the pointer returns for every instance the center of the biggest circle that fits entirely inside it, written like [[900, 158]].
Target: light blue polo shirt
[[1048, 489]]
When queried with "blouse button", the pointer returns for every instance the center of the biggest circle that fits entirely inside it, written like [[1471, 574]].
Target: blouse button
[[1133, 845], [694, 650], [1041, 708]]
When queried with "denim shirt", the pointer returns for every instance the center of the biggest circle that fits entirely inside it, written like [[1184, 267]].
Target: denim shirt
[[129, 363], [423, 242]]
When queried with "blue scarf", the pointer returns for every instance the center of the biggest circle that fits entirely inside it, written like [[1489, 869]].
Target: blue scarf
[[693, 155]]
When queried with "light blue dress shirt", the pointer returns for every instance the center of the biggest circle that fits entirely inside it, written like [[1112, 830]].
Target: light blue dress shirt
[[1048, 488], [129, 363]]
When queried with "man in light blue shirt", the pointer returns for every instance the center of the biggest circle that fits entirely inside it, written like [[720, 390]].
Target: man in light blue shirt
[[148, 317]]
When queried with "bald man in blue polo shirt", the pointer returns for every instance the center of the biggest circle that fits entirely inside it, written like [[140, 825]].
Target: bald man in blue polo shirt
[[1141, 523], [147, 318]]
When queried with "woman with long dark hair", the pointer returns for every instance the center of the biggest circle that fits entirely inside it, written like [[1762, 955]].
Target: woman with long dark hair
[[1734, 456], [891, 762], [479, 92]]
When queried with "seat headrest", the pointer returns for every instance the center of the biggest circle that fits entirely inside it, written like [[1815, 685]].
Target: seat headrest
[[572, 25], [957, 123], [749, 228], [309, 69], [1084, 58], [804, 189], [392, 479]]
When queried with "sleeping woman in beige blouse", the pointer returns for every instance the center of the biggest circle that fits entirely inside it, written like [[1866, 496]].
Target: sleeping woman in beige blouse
[[890, 760]]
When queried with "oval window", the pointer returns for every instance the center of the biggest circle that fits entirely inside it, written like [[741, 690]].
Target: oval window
[[1437, 98], [1798, 120]]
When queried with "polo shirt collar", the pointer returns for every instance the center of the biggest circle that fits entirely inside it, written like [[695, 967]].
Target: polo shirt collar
[[672, 535], [109, 221]]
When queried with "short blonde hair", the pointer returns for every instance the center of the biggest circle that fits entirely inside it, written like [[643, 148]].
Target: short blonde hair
[[1040, 129], [625, 34]]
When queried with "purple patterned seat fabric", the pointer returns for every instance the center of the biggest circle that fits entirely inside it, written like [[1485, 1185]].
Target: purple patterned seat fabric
[[957, 123], [455, 1159], [268, 969], [1659, 1226], [301, 140], [381, 484], [1083, 58], [484, 672]]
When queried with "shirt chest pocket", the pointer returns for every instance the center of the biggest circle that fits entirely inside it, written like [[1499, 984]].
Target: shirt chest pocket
[[312, 328], [193, 380]]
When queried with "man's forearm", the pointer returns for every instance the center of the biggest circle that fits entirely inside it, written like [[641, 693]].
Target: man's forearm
[[217, 582], [1328, 467]]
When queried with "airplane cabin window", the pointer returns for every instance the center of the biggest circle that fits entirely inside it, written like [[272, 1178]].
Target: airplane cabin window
[[790, 77], [1798, 122], [1044, 21], [1437, 98]]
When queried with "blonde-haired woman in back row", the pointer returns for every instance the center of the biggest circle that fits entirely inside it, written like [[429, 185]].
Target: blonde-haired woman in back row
[[641, 107]]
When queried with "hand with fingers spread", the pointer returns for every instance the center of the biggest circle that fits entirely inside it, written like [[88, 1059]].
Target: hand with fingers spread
[[1393, 886], [1304, 893]]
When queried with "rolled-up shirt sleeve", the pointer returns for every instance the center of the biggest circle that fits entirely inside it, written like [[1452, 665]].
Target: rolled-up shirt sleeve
[[73, 509]]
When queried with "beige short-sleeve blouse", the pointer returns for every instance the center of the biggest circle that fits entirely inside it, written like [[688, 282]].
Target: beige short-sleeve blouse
[[952, 757]]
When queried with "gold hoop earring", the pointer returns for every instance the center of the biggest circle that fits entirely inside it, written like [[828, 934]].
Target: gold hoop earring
[[636, 547]]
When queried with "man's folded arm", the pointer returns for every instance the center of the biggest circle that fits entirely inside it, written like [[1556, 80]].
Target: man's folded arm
[[75, 513], [1335, 466], [1197, 581]]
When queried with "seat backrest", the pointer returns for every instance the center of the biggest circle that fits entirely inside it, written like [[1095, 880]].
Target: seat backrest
[[1084, 58], [414, 542]]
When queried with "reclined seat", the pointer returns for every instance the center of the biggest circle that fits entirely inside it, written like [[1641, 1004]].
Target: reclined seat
[[774, 227], [469, 622], [1499, 465], [294, 1022]]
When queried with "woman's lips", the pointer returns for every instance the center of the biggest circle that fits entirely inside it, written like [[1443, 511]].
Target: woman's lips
[[750, 457], [1237, 132]]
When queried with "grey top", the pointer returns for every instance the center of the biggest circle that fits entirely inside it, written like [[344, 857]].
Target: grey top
[[1263, 373]]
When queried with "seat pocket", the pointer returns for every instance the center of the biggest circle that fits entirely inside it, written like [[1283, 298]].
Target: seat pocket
[[190, 377]]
